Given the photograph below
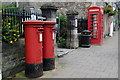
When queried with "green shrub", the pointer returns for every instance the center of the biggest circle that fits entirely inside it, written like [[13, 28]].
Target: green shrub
[[62, 42], [10, 26], [63, 31]]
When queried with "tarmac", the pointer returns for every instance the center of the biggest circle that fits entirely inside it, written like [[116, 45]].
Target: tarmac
[[98, 61]]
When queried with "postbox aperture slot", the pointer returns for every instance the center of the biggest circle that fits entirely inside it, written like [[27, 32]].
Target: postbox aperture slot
[[40, 29], [53, 29]]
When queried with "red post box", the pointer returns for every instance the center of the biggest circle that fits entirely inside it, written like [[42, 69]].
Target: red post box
[[48, 46], [33, 48], [95, 24]]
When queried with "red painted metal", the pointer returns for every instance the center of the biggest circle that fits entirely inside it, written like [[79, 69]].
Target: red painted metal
[[95, 24], [33, 41], [48, 39]]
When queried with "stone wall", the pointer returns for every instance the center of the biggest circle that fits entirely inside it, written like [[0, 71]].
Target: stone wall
[[12, 58], [63, 7]]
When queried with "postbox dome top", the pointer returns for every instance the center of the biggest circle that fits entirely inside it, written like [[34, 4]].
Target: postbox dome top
[[33, 22], [39, 22], [49, 22]]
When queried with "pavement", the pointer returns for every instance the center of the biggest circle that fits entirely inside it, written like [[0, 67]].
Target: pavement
[[94, 62]]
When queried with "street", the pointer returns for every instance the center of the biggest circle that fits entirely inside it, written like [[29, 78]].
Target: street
[[94, 62]]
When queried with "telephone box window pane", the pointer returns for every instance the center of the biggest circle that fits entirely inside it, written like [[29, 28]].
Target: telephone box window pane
[[94, 21], [91, 31], [94, 37], [91, 27], [94, 15], [94, 31], [94, 24], [94, 27], [94, 18]]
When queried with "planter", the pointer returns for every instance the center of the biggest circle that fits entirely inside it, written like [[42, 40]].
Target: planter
[[108, 9], [112, 13]]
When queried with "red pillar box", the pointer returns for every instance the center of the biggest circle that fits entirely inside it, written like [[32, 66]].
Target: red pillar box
[[48, 46], [33, 48]]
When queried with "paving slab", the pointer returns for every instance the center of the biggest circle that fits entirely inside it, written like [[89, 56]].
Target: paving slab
[[94, 62]]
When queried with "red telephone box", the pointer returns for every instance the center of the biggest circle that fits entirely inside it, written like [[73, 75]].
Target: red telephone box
[[95, 24]]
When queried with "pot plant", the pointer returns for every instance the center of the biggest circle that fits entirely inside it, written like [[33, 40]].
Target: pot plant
[[108, 9], [112, 13]]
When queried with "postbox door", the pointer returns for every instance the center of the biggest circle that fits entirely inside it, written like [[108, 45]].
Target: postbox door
[[94, 27]]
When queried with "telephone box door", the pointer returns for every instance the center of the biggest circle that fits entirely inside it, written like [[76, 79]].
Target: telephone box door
[[94, 27]]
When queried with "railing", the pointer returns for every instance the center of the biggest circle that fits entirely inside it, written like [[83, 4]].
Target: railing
[[15, 16]]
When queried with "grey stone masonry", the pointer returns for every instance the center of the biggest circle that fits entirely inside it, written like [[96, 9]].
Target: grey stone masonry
[[72, 35], [13, 58], [49, 12]]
